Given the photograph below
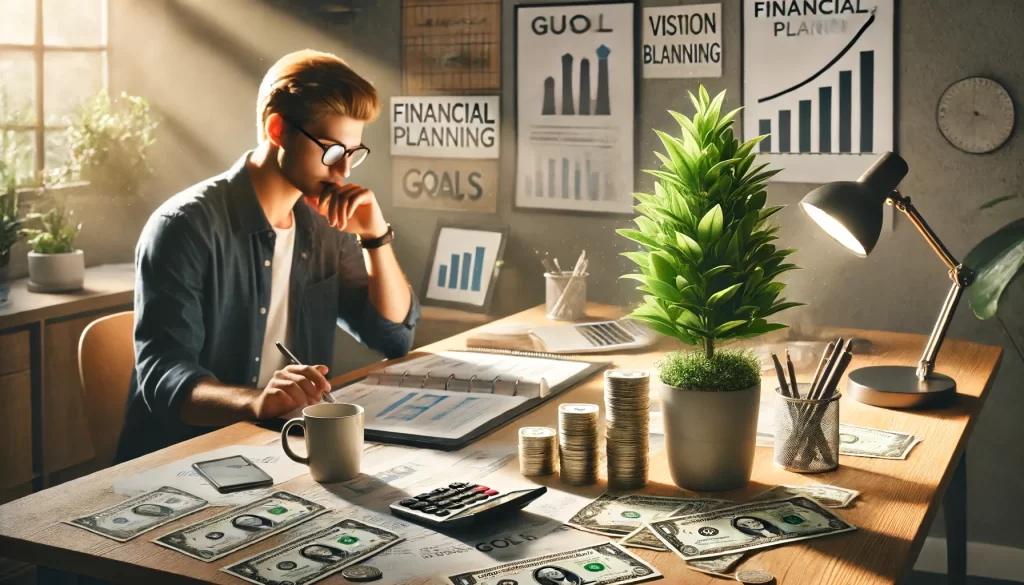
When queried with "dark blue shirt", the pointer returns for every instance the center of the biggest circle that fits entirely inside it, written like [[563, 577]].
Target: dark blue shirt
[[202, 291]]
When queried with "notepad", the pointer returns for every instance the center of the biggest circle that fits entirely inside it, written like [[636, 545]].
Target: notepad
[[449, 399]]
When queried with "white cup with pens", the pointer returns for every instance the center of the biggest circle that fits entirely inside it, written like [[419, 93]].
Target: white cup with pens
[[565, 293]]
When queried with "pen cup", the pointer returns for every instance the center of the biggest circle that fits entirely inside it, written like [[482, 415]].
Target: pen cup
[[806, 432], [565, 297]]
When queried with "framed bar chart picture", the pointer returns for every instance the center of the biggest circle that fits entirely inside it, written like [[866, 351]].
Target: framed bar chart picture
[[576, 76], [464, 266], [819, 79]]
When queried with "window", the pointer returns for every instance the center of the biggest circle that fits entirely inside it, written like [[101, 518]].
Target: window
[[53, 54]]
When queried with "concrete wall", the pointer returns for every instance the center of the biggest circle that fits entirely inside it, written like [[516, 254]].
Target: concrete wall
[[200, 64]]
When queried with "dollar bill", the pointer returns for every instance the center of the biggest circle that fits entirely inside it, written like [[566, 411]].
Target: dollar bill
[[599, 564], [619, 515], [868, 442], [829, 496], [746, 527], [140, 514], [241, 526], [315, 556], [642, 537]]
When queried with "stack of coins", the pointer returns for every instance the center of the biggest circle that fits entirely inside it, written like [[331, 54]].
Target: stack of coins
[[627, 401], [537, 449], [577, 443]]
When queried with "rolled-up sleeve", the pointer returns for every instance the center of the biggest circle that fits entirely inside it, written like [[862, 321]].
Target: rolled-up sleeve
[[169, 327], [358, 316]]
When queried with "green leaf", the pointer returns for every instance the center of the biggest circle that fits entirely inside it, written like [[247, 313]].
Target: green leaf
[[689, 247], [780, 307], [710, 227], [640, 277], [723, 295], [995, 262], [757, 201], [673, 179], [755, 330], [665, 290], [685, 124], [639, 258], [636, 236], [715, 271], [766, 213], [726, 327], [661, 265]]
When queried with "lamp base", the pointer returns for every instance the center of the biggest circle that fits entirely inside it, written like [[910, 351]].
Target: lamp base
[[899, 387]]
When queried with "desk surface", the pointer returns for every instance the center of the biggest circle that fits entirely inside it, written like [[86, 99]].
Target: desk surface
[[897, 504]]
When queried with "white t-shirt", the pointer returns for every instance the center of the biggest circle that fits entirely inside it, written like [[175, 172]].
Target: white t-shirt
[[278, 327]]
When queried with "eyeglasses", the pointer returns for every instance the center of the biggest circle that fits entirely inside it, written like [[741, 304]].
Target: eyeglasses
[[335, 152]]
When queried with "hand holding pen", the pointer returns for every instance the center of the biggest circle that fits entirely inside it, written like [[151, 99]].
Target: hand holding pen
[[295, 362]]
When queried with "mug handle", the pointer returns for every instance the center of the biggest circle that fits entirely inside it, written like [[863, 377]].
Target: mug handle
[[284, 440]]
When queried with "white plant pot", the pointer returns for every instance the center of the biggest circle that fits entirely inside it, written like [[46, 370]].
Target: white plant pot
[[54, 273], [710, 436]]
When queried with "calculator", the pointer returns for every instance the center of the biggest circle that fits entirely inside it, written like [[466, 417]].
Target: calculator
[[459, 504]]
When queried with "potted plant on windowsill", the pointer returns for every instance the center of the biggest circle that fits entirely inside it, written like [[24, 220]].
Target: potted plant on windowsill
[[54, 265], [709, 275], [10, 229]]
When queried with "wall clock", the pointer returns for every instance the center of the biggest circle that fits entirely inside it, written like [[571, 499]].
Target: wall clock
[[976, 115]]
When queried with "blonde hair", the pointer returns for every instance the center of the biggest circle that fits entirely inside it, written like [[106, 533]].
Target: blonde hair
[[306, 84]]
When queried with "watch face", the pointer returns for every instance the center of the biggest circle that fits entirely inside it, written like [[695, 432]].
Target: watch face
[[976, 115]]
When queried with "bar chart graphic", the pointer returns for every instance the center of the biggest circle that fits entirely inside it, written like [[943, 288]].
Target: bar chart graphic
[[462, 265], [821, 86], [449, 275], [575, 91]]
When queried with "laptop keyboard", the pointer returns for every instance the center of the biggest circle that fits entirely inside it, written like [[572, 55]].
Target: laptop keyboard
[[605, 334]]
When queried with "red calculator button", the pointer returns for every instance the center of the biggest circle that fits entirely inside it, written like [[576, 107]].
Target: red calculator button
[[491, 493], [481, 488]]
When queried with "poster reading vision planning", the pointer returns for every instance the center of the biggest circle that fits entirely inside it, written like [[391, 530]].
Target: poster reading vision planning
[[818, 77], [575, 92]]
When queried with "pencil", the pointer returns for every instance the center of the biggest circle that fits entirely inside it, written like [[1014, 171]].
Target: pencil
[[794, 388], [782, 377]]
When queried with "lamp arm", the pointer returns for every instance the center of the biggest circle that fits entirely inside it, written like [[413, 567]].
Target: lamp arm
[[960, 275]]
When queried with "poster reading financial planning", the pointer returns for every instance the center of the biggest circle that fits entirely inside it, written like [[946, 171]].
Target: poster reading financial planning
[[445, 126], [818, 77], [683, 41], [575, 92]]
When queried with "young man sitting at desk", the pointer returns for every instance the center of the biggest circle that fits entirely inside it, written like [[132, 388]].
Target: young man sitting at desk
[[278, 248]]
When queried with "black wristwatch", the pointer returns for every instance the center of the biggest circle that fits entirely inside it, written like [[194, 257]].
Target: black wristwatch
[[370, 244]]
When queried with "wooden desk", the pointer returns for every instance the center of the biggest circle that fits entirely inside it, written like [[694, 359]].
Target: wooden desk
[[897, 504]]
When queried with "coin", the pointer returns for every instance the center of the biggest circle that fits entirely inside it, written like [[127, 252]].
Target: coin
[[627, 427], [754, 577], [361, 573], [537, 449], [577, 443]]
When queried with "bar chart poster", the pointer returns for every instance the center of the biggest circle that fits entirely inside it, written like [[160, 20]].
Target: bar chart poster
[[818, 77], [575, 106], [462, 266]]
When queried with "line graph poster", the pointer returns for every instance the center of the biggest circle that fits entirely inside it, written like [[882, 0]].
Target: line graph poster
[[575, 92], [818, 77]]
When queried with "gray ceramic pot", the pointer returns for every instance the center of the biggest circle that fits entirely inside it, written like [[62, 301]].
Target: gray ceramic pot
[[710, 436], [53, 273]]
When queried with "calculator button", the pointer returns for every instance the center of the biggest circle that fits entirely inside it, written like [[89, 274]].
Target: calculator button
[[456, 506], [419, 505], [442, 513], [491, 493], [422, 496], [429, 509], [456, 485], [438, 491], [408, 502], [481, 488], [475, 498]]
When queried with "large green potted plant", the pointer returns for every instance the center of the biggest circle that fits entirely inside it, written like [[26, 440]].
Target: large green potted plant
[[54, 265], [709, 272], [107, 143]]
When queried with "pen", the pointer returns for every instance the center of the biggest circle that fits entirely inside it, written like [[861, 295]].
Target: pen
[[295, 361]]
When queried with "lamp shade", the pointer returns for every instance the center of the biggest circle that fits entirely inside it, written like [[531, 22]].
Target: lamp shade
[[851, 211]]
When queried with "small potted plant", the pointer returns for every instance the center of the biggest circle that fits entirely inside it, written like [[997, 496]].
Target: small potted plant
[[54, 265], [107, 142], [10, 229], [708, 274]]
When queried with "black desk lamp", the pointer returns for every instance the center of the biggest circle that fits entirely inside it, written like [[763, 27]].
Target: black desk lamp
[[851, 212]]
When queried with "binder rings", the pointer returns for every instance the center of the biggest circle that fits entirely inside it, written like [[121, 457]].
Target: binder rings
[[452, 398]]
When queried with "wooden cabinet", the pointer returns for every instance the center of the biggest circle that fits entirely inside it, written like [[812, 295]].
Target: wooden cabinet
[[44, 432]]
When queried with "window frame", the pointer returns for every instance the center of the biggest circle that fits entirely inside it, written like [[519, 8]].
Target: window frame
[[38, 49]]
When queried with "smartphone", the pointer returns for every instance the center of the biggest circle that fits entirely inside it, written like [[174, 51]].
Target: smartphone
[[232, 474]]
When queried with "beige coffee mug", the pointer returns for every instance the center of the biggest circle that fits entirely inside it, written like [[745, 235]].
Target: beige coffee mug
[[334, 440]]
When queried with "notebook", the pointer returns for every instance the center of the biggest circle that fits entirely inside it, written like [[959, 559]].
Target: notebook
[[452, 398]]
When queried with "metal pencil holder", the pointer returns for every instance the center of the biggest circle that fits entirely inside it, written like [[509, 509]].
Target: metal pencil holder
[[806, 432]]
